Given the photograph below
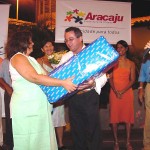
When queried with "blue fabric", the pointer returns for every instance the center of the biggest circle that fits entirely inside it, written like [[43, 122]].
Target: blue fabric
[[145, 72], [91, 61]]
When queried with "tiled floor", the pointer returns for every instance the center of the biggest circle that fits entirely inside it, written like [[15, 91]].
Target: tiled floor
[[136, 139], [107, 138]]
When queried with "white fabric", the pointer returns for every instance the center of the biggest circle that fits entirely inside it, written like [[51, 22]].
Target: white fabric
[[2, 103], [58, 116], [14, 76], [95, 18], [100, 82], [49, 69]]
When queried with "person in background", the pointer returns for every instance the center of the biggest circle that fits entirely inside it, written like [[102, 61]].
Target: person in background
[[58, 116], [121, 95], [2, 145], [5, 82], [47, 49], [144, 93], [30, 110], [84, 105]]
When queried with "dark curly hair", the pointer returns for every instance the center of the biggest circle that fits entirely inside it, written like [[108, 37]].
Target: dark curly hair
[[18, 42]]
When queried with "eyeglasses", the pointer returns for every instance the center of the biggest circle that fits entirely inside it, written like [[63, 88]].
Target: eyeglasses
[[69, 40]]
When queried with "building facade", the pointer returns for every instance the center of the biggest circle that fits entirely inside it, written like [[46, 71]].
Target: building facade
[[46, 13]]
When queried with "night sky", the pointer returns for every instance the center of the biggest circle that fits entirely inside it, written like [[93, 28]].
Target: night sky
[[139, 8], [26, 9]]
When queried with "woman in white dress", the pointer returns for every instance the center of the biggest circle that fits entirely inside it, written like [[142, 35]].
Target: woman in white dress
[[58, 113], [30, 111]]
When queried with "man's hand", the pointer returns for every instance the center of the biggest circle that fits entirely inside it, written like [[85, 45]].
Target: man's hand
[[88, 84], [141, 95], [9, 90]]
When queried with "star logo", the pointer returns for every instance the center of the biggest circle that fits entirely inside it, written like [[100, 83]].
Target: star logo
[[75, 15]]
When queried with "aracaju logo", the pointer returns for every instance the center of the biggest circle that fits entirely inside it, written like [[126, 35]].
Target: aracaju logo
[[79, 17]]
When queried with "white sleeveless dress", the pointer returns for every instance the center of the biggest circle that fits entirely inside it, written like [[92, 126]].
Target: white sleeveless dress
[[58, 113]]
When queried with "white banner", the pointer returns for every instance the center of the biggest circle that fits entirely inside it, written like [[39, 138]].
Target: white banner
[[95, 18], [4, 15]]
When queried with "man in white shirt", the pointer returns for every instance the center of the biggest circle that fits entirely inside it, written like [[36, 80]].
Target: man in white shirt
[[83, 106]]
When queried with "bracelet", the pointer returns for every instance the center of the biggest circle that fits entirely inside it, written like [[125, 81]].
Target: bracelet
[[140, 87]]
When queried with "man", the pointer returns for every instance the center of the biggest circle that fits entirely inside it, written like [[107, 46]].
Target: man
[[83, 106], [144, 77], [5, 83]]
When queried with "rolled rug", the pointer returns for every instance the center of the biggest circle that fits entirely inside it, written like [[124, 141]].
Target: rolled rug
[[94, 60]]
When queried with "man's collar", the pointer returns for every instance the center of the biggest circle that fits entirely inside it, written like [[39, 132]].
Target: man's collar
[[83, 46]]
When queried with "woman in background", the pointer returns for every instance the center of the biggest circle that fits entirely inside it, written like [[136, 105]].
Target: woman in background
[[30, 110], [47, 49], [58, 114], [121, 94]]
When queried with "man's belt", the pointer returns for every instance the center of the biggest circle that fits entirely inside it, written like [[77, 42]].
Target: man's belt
[[83, 91]]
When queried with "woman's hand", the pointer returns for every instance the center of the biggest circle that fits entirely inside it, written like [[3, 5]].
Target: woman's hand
[[119, 94], [68, 85]]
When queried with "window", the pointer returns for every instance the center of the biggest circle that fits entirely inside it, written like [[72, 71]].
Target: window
[[41, 6], [47, 6]]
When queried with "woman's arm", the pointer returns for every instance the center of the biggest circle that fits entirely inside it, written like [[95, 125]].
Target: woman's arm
[[25, 69], [112, 83], [5, 86], [131, 79]]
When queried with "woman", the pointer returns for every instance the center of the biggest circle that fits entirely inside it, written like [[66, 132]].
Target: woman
[[47, 49], [58, 115], [30, 110], [121, 94]]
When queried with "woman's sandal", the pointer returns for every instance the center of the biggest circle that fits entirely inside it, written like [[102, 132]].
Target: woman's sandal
[[116, 146], [129, 147]]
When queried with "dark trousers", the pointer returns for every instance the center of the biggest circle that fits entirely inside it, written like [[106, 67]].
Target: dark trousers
[[9, 136], [85, 121]]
